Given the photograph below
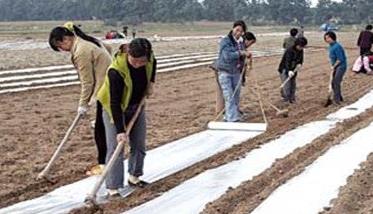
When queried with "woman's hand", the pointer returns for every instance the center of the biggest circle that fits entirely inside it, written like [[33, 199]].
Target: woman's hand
[[122, 137]]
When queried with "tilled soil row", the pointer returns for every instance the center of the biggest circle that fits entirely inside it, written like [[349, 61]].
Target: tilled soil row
[[357, 195], [246, 197], [33, 124], [308, 108]]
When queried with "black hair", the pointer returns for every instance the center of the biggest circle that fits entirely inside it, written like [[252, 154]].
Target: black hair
[[58, 33], [302, 41], [369, 27], [293, 32], [140, 47], [249, 36], [331, 34], [240, 23]]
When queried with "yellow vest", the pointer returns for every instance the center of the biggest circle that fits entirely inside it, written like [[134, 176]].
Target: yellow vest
[[119, 63]]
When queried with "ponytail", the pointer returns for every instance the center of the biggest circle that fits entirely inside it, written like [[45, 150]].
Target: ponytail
[[86, 37]]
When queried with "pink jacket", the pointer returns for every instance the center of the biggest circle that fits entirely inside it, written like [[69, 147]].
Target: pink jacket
[[358, 63]]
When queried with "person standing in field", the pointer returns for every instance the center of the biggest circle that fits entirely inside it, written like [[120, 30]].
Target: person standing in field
[[301, 32], [290, 65], [249, 39], [289, 42], [365, 40], [338, 61], [91, 59], [230, 63], [134, 31], [130, 77]]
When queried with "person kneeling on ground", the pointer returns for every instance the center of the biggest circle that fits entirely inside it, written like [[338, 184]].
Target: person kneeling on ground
[[290, 66], [130, 77], [364, 64]]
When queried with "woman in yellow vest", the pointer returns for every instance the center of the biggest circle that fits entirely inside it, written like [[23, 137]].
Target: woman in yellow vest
[[91, 59], [130, 77]]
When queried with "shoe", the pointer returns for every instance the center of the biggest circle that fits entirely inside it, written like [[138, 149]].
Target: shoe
[[134, 181], [113, 193], [139, 183], [96, 170], [328, 103]]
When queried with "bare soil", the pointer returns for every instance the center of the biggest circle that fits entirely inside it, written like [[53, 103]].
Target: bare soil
[[33, 123]]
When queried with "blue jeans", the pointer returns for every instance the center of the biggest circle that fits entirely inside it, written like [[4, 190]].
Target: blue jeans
[[228, 83]]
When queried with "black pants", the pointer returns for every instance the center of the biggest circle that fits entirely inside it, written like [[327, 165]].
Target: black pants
[[364, 51], [100, 137]]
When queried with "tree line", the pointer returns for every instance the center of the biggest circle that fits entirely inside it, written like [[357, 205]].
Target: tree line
[[255, 12]]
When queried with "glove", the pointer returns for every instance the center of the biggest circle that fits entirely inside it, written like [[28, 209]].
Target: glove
[[82, 110], [291, 73]]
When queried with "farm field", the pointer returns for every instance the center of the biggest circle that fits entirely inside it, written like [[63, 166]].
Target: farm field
[[34, 122]]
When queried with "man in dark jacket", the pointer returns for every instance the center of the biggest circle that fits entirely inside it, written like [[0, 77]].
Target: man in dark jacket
[[290, 65], [365, 40]]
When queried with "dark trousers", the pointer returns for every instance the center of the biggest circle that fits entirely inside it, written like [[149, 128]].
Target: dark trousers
[[336, 83], [289, 89], [100, 137], [365, 51]]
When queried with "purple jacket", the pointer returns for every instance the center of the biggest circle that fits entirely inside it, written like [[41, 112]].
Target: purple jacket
[[365, 39]]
